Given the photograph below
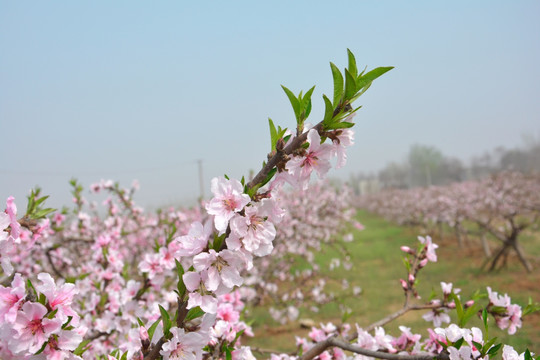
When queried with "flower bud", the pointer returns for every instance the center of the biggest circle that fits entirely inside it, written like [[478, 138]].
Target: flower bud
[[411, 278], [469, 303], [406, 249], [145, 340], [423, 263], [403, 284]]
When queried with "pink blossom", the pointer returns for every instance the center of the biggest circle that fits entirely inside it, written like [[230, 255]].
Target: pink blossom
[[406, 339], [195, 241], [317, 335], [325, 355], [244, 353], [254, 230], [446, 288], [510, 354], [227, 313], [316, 158], [33, 328], [464, 353], [382, 340], [11, 299], [437, 317], [498, 300], [59, 297], [229, 198], [222, 268], [183, 346], [430, 248], [434, 342], [344, 140], [152, 264], [198, 294], [11, 210], [512, 320]]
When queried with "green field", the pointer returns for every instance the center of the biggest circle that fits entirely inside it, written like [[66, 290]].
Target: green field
[[378, 267]]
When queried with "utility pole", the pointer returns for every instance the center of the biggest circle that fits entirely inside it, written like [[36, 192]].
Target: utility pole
[[201, 181]]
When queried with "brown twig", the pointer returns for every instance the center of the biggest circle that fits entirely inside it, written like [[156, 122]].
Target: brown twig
[[335, 342]]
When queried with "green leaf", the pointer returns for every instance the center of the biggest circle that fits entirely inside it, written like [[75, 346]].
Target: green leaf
[[40, 214], [488, 345], [238, 334], [458, 343], [269, 177], [194, 313], [42, 348], [67, 322], [328, 112], [459, 309], [368, 78], [338, 84], [470, 312], [350, 85], [152, 329], [352, 64], [82, 347], [477, 344], [294, 102], [180, 285], [273, 134], [306, 104], [139, 321], [493, 351], [531, 308], [528, 355], [167, 323], [31, 286], [218, 241], [485, 319]]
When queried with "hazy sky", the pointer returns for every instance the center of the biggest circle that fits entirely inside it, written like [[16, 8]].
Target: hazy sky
[[141, 90]]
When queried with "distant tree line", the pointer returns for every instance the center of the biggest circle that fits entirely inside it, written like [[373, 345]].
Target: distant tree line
[[427, 165]]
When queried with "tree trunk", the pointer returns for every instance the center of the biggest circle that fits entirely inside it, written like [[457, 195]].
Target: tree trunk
[[521, 256], [485, 245]]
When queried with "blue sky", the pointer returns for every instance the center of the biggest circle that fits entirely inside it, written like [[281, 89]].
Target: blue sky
[[141, 90]]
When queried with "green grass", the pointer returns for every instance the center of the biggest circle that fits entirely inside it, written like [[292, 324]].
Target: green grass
[[377, 269]]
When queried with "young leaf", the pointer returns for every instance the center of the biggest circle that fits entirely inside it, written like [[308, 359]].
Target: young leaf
[[458, 343], [269, 177], [485, 319], [194, 313], [273, 134], [82, 347], [338, 84], [470, 312], [459, 309], [167, 323], [368, 78], [488, 345], [152, 328], [294, 102], [352, 64], [493, 351], [306, 103], [180, 285], [328, 112], [350, 85]]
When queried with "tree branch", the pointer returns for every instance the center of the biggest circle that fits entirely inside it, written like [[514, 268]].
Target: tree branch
[[331, 342]]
